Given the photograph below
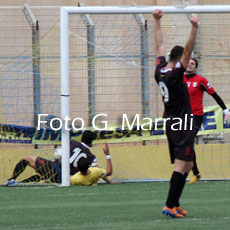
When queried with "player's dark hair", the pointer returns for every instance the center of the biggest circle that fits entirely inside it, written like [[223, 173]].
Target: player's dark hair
[[88, 137], [176, 53], [83, 165], [194, 59]]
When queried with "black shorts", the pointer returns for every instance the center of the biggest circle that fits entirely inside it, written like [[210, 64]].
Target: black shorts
[[181, 143], [197, 122], [50, 170]]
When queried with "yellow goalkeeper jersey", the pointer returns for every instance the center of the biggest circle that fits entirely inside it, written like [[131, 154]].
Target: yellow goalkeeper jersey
[[90, 179]]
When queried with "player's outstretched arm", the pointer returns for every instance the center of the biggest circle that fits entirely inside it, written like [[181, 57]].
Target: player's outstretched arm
[[109, 167], [221, 103], [157, 14], [189, 46]]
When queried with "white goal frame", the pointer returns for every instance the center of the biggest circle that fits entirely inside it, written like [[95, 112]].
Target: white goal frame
[[64, 33]]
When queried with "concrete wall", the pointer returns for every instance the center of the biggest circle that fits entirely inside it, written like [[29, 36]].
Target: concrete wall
[[74, 3], [108, 2]]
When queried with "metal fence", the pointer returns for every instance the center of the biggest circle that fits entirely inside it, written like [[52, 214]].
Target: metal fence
[[112, 61]]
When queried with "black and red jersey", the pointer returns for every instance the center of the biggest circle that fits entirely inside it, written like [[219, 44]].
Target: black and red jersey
[[196, 86], [174, 90], [78, 150]]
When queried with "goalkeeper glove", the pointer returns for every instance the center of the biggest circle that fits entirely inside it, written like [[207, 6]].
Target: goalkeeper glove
[[227, 116]]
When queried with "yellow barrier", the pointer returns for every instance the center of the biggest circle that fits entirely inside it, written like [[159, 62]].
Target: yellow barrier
[[134, 162]]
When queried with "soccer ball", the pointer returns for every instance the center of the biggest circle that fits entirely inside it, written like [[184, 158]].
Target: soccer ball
[[57, 153]]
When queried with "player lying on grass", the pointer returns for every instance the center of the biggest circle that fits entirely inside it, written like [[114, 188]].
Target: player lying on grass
[[50, 171], [90, 175]]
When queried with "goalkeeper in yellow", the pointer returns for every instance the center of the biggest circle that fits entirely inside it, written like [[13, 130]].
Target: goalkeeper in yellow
[[91, 175]]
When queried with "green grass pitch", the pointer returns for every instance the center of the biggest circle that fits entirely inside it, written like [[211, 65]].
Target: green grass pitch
[[122, 207]]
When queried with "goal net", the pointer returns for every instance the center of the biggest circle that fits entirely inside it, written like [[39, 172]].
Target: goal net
[[110, 70]]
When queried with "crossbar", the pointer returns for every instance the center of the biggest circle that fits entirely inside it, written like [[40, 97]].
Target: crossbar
[[148, 9]]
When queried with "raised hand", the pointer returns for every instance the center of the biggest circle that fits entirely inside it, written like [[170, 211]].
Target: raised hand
[[227, 118], [157, 14], [106, 149], [194, 21]]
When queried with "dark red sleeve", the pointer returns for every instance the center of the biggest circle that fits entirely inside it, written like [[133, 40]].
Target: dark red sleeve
[[160, 62]]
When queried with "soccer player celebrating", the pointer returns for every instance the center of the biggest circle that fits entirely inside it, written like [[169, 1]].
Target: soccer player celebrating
[[169, 77], [197, 85]]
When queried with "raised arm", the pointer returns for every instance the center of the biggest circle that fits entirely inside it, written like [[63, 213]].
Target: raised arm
[[109, 167], [157, 14], [189, 46]]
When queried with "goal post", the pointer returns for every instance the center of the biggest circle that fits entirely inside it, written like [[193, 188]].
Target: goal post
[[64, 43], [65, 140]]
